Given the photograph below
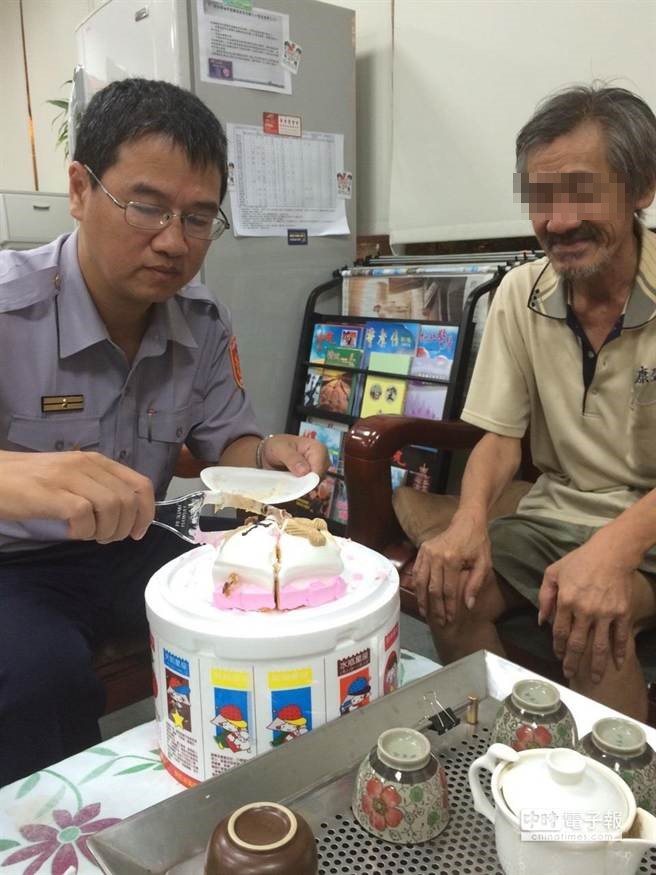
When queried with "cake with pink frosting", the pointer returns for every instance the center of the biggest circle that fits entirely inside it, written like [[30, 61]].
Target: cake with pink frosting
[[267, 566]]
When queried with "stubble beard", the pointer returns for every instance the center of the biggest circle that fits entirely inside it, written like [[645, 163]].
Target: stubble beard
[[573, 272]]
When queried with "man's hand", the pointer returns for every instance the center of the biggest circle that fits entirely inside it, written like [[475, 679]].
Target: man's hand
[[452, 567], [297, 454], [588, 594], [100, 499]]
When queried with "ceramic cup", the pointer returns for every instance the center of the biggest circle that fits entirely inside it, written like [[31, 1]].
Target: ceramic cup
[[262, 838], [534, 716], [401, 793], [622, 746]]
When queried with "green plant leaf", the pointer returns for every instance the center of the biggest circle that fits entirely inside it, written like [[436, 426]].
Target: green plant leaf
[[5, 844], [50, 804], [27, 785], [99, 770], [103, 752], [61, 119], [140, 768]]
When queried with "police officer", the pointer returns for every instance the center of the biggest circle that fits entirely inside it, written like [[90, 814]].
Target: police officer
[[112, 356]]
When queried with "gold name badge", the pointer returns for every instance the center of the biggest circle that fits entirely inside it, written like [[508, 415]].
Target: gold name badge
[[61, 403]]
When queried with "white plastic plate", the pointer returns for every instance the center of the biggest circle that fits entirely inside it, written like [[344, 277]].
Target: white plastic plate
[[270, 487]]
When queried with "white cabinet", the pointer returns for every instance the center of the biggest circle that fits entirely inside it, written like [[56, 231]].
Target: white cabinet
[[30, 219]]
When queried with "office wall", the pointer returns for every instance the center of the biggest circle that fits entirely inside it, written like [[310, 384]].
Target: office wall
[[15, 158], [50, 48], [442, 86], [50, 51], [373, 63], [467, 76]]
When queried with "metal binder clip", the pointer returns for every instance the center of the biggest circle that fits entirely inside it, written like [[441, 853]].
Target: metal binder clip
[[440, 719], [430, 713], [449, 718]]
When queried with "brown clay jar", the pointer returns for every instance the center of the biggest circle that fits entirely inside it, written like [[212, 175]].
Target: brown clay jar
[[262, 838]]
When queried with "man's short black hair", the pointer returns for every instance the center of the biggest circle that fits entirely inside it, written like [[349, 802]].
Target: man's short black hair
[[126, 110]]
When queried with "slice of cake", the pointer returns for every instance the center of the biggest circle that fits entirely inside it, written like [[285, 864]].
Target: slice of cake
[[262, 566], [245, 567], [310, 565]]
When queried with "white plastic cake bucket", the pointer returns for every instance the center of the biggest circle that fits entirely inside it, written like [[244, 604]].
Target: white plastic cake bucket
[[230, 684]]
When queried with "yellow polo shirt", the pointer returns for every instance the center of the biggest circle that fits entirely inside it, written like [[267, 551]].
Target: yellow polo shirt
[[596, 448]]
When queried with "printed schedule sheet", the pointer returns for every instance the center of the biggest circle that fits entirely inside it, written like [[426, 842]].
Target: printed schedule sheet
[[281, 182]]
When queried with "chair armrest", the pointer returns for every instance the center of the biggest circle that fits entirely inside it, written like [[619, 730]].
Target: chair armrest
[[188, 465], [368, 450]]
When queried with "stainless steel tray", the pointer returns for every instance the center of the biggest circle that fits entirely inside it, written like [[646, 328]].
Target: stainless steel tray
[[315, 775]]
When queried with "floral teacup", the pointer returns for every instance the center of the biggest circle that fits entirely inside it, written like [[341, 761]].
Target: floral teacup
[[533, 716], [622, 746], [401, 793]]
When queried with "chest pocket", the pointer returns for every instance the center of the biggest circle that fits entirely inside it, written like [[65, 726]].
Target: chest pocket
[[65, 432], [161, 435], [644, 394], [642, 430], [165, 426]]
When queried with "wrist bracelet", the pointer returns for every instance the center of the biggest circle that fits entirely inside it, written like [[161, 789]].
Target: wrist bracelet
[[259, 452]]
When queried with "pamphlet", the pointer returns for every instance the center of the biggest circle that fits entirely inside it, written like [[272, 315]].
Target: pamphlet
[[343, 357], [425, 400], [391, 337], [317, 502], [382, 395], [436, 347], [335, 394], [330, 434], [339, 509], [331, 335], [390, 362]]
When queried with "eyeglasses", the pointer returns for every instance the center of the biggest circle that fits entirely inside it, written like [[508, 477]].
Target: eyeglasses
[[149, 217]]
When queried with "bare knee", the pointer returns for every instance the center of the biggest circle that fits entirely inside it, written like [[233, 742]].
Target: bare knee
[[583, 674], [469, 631]]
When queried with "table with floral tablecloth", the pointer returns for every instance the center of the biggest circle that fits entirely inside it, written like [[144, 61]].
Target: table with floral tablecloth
[[46, 818]]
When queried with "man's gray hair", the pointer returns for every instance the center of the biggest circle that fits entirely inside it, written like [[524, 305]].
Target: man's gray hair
[[627, 121]]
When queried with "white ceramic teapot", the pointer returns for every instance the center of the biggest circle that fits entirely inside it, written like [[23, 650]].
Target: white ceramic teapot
[[557, 811]]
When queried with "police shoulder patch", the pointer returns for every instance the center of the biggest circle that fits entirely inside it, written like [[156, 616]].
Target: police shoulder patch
[[234, 361]]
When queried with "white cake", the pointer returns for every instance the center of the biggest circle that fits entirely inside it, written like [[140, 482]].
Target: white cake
[[265, 566]]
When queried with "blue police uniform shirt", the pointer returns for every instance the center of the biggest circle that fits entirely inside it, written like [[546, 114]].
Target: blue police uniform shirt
[[181, 388]]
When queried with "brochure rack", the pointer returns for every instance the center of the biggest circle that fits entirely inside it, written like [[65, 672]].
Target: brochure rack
[[316, 313]]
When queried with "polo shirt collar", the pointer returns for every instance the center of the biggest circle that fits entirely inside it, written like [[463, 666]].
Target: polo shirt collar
[[549, 295], [80, 325]]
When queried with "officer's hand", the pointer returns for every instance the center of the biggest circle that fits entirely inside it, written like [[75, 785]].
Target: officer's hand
[[100, 499], [296, 453]]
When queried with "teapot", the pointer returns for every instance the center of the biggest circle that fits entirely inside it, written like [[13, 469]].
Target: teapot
[[556, 811]]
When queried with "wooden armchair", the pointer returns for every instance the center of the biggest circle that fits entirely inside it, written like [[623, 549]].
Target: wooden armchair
[[368, 450], [123, 664]]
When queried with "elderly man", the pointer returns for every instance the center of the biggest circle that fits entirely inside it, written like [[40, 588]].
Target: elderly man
[[113, 356], [569, 352]]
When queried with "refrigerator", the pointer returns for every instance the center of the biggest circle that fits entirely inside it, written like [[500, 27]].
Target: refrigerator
[[264, 280]]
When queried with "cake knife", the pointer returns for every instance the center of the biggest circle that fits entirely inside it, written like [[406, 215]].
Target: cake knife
[[182, 515]]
